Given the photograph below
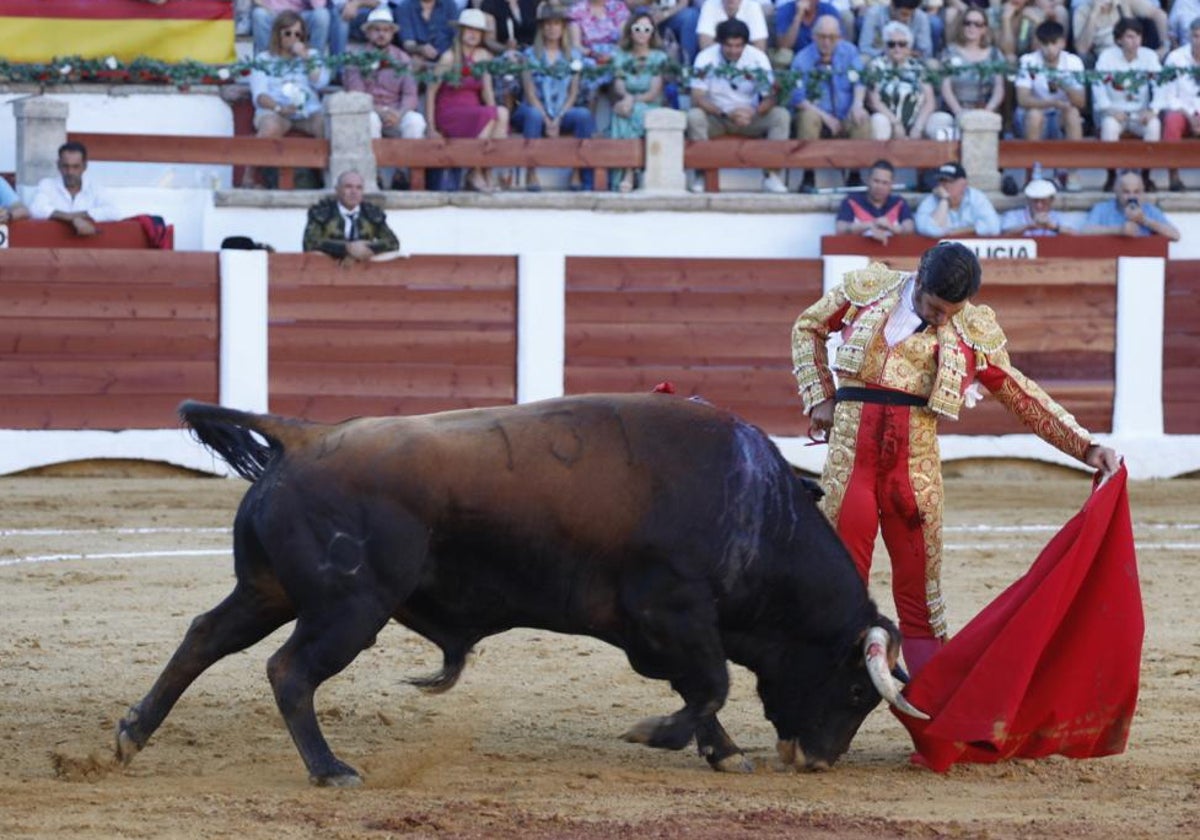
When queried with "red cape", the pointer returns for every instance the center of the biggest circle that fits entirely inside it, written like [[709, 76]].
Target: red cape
[[1050, 666]]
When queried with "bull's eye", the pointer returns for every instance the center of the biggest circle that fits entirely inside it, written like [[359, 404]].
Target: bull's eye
[[858, 693]]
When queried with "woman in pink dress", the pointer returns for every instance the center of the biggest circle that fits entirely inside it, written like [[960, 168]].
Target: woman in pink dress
[[461, 104]]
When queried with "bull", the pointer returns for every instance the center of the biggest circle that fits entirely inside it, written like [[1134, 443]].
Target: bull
[[666, 527]]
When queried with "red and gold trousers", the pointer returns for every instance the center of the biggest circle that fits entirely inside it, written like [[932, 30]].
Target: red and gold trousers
[[883, 471]]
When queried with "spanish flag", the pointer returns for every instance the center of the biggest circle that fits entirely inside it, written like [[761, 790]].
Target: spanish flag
[[36, 31]]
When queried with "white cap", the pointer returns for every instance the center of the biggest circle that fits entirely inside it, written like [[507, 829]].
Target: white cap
[[1040, 188], [380, 14]]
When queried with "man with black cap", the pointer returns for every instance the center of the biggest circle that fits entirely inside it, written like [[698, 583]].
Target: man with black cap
[[956, 209], [914, 350], [1038, 217]]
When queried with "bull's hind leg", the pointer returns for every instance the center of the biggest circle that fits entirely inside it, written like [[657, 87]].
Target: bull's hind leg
[[319, 648], [245, 617]]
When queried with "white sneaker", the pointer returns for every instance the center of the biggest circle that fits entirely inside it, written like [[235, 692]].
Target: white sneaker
[[774, 184], [696, 183]]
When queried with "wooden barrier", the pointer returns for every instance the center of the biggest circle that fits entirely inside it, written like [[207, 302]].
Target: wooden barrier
[[568, 152], [717, 329], [105, 339], [1097, 154], [734, 152], [403, 337], [1181, 337], [125, 234]]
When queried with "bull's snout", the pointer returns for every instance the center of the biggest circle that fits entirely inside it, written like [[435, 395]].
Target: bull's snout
[[792, 755]]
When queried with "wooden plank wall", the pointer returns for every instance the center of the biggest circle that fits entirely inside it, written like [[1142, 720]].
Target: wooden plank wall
[[1181, 349], [720, 329], [1060, 317], [410, 336], [105, 339]]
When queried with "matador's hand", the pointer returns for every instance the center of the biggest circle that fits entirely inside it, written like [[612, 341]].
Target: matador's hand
[[1099, 457], [821, 420]]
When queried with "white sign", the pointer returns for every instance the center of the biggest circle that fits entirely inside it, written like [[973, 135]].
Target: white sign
[[1000, 249], [3, 236]]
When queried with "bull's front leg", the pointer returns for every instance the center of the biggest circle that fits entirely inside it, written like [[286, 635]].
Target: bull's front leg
[[719, 750]]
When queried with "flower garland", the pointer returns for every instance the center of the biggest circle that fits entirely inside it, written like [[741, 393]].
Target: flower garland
[[183, 75]]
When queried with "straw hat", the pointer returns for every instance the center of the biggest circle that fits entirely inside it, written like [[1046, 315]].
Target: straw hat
[[472, 19], [381, 15]]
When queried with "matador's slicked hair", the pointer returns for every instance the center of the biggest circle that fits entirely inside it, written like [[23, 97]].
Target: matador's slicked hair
[[951, 271]]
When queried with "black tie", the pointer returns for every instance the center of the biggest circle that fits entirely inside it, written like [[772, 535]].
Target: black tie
[[353, 228]]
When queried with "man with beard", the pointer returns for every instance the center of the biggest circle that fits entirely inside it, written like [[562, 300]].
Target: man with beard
[[72, 198]]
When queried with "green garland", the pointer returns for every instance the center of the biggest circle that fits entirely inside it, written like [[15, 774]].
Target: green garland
[[183, 75]]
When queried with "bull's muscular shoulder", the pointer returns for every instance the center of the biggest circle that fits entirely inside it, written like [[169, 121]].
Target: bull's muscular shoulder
[[867, 285], [979, 329]]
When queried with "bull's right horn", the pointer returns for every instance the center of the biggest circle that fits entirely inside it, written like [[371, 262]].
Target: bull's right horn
[[875, 649]]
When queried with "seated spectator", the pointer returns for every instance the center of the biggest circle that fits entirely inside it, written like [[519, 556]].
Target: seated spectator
[[516, 25], [315, 14], [1019, 19], [394, 91], [551, 83], [794, 22], [901, 101], [1050, 93], [637, 84], [749, 12], [679, 18], [826, 101], [956, 209], [466, 107], [1094, 22], [284, 86], [1121, 106], [1179, 21], [872, 38], [595, 27], [1038, 217], [11, 208], [347, 228], [966, 89], [878, 213], [1181, 96], [347, 22], [426, 29], [742, 103], [73, 197], [1127, 213]]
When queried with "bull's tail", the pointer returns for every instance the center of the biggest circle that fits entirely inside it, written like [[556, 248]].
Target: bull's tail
[[228, 432]]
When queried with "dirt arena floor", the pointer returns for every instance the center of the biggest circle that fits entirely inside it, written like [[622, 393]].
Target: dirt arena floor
[[99, 578]]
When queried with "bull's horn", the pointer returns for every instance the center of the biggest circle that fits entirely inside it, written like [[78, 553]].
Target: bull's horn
[[875, 648]]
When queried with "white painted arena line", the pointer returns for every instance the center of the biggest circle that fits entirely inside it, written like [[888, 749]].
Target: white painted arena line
[[119, 555], [74, 532]]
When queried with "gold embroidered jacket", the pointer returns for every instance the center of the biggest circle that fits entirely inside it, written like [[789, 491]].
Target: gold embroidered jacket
[[938, 366], [324, 230]]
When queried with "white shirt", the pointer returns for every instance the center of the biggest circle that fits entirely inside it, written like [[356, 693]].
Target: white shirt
[[1033, 75], [738, 92], [1182, 93], [749, 13], [348, 220], [1105, 97], [93, 199], [904, 320]]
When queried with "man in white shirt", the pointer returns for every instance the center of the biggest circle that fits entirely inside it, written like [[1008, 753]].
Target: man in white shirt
[[1051, 95], [1119, 106], [732, 92], [1181, 96], [73, 198], [750, 12]]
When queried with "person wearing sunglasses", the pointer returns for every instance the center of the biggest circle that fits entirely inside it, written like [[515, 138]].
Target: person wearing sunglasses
[[637, 85], [901, 100], [871, 36], [965, 89], [315, 14], [795, 21]]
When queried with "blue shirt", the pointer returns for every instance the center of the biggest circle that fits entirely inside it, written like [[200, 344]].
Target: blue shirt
[[786, 13], [8, 196], [1108, 214], [976, 211], [834, 90], [553, 87], [438, 30]]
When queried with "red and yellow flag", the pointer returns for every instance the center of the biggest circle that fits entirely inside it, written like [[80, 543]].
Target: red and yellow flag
[[36, 31]]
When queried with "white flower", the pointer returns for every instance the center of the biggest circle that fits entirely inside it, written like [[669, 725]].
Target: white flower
[[576, 66], [375, 65], [65, 69], [294, 94], [223, 73], [111, 62], [852, 75]]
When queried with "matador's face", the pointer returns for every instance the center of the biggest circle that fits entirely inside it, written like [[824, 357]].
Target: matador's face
[[937, 311]]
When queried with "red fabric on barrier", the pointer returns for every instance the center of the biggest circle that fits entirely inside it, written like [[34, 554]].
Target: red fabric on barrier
[[1051, 665]]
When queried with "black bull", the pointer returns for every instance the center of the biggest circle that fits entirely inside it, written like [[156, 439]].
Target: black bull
[[663, 526]]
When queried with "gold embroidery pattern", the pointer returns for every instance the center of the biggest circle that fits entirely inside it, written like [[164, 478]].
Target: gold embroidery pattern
[[947, 393], [839, 462], [1041, 414], [852, 353], [867, 285], [810, 359], [925, 476], [978, 327]]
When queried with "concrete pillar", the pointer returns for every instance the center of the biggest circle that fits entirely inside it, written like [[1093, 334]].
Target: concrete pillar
[[349, 132], [41, 129], [541, 326], [981, 148], [664, 150]]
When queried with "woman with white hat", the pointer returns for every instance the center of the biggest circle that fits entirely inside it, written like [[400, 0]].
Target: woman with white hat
[[460, 104]]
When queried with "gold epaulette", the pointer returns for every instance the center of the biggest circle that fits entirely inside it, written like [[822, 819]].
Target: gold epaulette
[[866, 285], [979, 330]]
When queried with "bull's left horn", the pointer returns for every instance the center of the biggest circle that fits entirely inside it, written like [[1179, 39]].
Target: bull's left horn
[[875, 649]]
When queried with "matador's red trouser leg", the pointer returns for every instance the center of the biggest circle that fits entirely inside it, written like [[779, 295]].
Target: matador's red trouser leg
[[883, 468]]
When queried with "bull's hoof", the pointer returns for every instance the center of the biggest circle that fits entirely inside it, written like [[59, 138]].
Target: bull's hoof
[[793, 758], [643, 731], [127, 747], [736, 763], [339, 780], [662, 732]]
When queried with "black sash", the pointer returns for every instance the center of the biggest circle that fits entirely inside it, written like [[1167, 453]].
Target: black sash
[[879, 396]]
